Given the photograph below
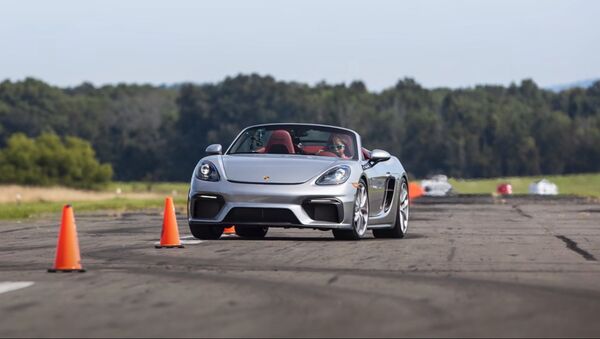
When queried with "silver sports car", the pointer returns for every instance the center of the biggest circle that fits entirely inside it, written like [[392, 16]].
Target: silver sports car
[[300, 176]]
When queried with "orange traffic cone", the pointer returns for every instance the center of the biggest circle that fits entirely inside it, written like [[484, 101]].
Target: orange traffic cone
[[67, 249], [229, 230], [169, 237], [414, 190]]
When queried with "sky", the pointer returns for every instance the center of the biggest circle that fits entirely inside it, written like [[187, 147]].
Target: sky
[[439, 43]]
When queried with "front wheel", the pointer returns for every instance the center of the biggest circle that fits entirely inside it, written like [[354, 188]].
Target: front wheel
[[360, 217], [401, 225], [206, 232]]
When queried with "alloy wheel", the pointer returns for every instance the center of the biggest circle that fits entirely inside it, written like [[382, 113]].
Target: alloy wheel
[[361, 210], [403, 208]]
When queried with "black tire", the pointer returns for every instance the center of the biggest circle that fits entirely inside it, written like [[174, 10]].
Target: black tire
[[206, 232], [396, 232], [345, 235], [353, 234], [253, 232]]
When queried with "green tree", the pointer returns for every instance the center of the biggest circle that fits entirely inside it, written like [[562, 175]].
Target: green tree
[[50, 160]]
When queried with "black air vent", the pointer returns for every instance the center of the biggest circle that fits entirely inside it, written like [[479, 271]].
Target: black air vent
[[324, 210], [258, 215], [389, 194], [206, 206]]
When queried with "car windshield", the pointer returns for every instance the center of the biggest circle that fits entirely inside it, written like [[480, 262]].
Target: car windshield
[[298, 140]]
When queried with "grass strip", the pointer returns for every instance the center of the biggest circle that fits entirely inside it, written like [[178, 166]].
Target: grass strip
[[587, 185], [11, 211]]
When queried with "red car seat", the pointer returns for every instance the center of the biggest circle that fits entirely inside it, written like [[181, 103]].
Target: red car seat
[[280, 142], [366, 153]]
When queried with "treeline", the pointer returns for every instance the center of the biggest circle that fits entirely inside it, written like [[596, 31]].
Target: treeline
[[159, 133]]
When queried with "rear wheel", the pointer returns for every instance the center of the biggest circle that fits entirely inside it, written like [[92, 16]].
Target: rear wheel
[[360, 217], [401, 225], [206, 232], [251, 231]]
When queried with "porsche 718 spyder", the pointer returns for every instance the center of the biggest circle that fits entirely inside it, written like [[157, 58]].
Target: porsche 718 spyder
[[298, 176]]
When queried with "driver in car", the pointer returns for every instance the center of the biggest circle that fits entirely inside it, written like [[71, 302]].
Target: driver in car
[[337, 146]]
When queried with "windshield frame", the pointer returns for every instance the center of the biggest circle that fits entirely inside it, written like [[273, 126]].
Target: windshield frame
[[354, 136]]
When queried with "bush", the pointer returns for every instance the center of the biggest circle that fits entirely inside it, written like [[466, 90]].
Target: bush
[[49, 160]]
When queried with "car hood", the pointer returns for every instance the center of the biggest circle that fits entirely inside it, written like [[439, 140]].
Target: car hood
[[274, 168]]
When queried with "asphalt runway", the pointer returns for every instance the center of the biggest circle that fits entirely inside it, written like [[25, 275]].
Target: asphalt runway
[[471, 266]]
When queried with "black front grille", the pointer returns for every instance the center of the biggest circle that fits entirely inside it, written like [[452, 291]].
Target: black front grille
[[261, 215], [206, 206]]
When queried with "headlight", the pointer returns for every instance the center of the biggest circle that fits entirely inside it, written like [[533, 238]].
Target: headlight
[[335, 176], [207, 171]]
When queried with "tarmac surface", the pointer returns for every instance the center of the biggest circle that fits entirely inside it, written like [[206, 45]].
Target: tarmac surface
[[471, 266]]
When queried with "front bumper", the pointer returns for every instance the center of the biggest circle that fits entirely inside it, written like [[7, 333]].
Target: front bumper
[[304, 205]]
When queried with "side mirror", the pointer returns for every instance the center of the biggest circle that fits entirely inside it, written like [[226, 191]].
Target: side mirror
[[379, 155], [214, 149]]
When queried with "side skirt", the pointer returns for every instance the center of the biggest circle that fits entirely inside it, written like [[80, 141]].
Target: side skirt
[[379, 226]]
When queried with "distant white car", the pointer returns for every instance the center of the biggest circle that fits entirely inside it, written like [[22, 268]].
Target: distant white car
[[436, 186], [543, 187]]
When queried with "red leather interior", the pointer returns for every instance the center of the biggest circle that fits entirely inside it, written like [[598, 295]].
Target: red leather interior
[[366, 153], [327, 154], [280, 142], [313, 149]]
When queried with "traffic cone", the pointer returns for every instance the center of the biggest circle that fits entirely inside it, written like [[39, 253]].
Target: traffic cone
[[67, 249], [169, 237], [229, 230], [414, 190]]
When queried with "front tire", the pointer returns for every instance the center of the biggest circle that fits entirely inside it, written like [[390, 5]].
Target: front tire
[[360, 217], [206, 232], [251, 232], [401, 225]]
